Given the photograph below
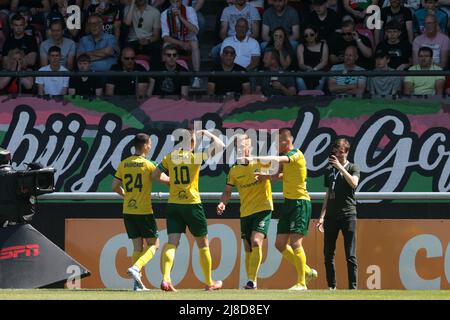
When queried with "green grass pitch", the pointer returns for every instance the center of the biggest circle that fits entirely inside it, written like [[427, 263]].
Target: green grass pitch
[[226, 294]]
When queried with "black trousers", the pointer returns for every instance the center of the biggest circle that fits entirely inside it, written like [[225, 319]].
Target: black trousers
[[332, 226]]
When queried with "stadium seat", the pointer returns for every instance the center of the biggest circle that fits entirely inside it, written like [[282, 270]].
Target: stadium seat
[[182, 62], [143, 60]]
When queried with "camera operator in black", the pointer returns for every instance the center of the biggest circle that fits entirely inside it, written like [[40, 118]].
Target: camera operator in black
[[17, 205], [339, 212]]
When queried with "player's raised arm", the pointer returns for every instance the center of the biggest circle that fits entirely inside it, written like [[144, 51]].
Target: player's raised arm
[[160, 176], [217, 142], [226, 195], [279, 159]]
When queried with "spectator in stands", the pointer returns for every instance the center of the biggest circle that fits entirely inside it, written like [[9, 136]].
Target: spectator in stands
[[15, 61], [230, 16], [357, 8], [402, 15], [429, 7], [30, 29], [434, 39], [145, 31], [4, 19], [162, 5], [18, 39], [280, 42], [312, 55], [179, 28], [85, 86], [228, 85], [38, 9], [280, 15], [58, 12], [127, 86], [273, 86], [350, 37], [398, 48], [99, 46], [247, 49], [169, 85], [322, 18], [347, 84], [109, 10], [68, 47], [383, 85], [2, 35], [424, 85], [53, 86]]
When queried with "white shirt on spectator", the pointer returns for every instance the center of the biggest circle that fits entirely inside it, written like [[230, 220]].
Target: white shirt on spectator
[[191, 16], [53, 85], [231, 15], [245, 49]]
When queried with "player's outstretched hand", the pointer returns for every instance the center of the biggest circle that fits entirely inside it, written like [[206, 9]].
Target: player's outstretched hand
[[220, 208]]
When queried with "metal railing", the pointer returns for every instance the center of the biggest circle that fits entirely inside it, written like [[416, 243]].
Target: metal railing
[[256, 74], [235, 196]]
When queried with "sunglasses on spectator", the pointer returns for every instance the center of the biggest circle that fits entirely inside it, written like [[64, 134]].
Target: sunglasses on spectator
[[347, 34], [309, 35], [172, 54], [129, 58], [140, 22]]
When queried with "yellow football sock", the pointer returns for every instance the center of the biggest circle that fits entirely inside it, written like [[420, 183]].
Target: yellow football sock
[[247, 262], [135, 257], [255, 262], [168, 256], [146, 257], [300, 265], [206, 264], [289, 255]]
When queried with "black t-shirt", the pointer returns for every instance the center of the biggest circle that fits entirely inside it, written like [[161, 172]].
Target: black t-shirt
[[109, 17], [341, 200], [337, 46], [402, 17], [31, 3], [13, 87], [228, 84], [85, 88], [399, 53], [27, 44], [169, 85], [325, 27], [126, 86]]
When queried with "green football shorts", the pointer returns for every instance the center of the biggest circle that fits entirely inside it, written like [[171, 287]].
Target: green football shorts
[[140, 226], [258, 222], [294, 217], [179, 216]]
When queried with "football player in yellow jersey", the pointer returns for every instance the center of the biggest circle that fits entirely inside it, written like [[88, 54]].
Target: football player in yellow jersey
[[255, 209], [184, 207], [296, 209], [133, 182]]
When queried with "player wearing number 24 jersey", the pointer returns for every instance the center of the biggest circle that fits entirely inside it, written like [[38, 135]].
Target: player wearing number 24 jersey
[[184, 207], [133, 181]]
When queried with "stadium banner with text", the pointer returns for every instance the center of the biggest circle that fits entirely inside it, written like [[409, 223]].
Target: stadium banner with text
[[410, 254], [399, 145]]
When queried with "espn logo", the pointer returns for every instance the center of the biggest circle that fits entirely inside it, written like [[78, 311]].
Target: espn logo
[[14, 252]]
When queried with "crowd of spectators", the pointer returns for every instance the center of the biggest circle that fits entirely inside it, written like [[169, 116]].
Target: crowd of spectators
[[257, 35]]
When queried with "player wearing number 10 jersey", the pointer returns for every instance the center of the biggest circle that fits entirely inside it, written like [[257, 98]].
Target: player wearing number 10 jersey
[[184, 207], [133, 182]]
